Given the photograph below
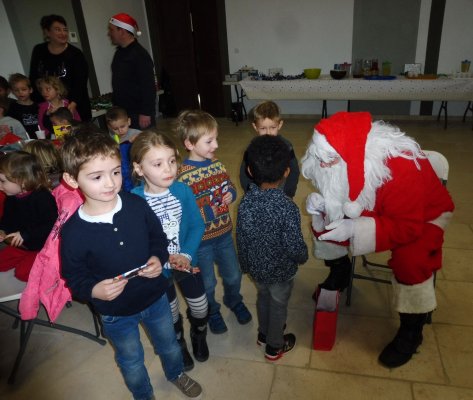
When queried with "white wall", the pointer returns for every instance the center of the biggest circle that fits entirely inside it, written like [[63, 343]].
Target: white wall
[[290, 34], [307, 33], [97, 15], [10, 61], [456, 44]]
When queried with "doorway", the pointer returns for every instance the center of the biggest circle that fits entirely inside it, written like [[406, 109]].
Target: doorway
[[189, 42]]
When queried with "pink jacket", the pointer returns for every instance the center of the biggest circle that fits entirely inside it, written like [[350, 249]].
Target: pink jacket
[[45, 283], [43, 109]]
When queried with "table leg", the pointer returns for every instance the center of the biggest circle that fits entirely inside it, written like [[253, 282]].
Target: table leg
[[443, 107], [324, 109], [240, 94], [469, 107]]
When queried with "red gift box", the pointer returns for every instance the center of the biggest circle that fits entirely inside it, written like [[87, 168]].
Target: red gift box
[[325, 319]]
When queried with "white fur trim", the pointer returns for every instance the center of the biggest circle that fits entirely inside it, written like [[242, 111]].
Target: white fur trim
[[364, 238], [352, 209], [442, 220], [318, 222], [414, 299], [328, 251]]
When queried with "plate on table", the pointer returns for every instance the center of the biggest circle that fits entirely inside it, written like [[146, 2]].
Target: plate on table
[[380, 78], [423, 76]]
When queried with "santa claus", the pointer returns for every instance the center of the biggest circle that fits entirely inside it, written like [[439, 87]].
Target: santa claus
[[378, 192]]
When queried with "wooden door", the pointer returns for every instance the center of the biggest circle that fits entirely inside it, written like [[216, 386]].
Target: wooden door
[[188, 47]]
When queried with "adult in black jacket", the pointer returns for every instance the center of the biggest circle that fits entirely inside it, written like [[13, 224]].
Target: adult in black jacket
[[57, 57], [133, 82]]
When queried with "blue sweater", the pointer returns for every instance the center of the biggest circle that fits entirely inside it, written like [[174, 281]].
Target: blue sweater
[[192, 225], [268, 235], [92, 252]]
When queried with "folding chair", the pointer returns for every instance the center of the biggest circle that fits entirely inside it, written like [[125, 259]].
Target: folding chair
[[10, 293], [440, 166]]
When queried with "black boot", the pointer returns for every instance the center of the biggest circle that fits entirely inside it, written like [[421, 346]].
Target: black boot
[[199, 337], [186, 357], [339, 276], [408, 338]]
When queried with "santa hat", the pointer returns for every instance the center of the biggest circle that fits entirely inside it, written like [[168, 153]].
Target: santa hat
[[127, 22], [347, 133]]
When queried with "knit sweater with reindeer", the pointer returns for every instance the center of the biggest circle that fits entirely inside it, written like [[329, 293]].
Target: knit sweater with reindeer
[[209, 182]]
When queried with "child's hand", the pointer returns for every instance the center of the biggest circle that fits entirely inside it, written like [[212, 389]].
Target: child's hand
[[13, 239], [179, 262], [108, 289], [227, 198], [153, 269]]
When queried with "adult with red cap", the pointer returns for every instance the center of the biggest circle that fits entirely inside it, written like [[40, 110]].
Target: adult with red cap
[[133, 83], [378, 192]]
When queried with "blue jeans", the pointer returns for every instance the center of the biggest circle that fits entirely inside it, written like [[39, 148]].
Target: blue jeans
[[124, 335], [271, 306], [220, 251]]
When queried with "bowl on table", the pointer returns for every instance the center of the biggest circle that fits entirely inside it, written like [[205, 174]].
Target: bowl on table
[[338, 73], [312, 73]]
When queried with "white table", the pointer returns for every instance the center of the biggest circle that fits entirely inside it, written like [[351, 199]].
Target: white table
[[325, 88]]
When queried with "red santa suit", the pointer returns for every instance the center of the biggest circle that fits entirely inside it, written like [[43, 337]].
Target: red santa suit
[[391, 196]]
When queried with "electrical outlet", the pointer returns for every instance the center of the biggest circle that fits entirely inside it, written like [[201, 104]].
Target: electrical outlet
[[73, 37]]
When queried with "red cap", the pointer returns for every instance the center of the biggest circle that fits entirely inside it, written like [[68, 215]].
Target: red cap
[[127, 22], [347, 133]]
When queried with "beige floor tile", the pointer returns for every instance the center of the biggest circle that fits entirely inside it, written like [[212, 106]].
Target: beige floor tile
[[435, 392], [456, 350], [359, 342], [455, 303], [223, 378], [458, 236], [302, 384], [457, 265]]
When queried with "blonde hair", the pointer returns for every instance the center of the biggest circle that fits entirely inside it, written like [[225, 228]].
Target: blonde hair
[[49, 158], [144, 142], [191, 125], [24, 169], [55, 82]]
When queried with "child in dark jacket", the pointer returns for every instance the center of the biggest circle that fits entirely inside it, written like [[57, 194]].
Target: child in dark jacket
[[29, 212], [269, 241]]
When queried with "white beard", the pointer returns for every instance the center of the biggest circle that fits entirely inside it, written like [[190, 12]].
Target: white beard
[[384, 141], [333, 185]]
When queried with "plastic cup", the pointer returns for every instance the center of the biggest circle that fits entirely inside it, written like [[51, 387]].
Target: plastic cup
[[386, 68], [41, 134], [465, 67]]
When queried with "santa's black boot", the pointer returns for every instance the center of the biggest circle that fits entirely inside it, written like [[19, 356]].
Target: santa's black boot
[[186, 357], [199, 337], [339, 276], [408, 338]]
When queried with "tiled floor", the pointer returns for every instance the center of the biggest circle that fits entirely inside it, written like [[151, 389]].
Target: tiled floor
[[58, 365]]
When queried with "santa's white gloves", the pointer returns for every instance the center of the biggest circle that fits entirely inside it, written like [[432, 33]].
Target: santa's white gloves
[[315, 204], [340, 230]]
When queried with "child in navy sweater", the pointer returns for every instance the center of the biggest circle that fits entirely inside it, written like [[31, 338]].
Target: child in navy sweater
[[113, 249]]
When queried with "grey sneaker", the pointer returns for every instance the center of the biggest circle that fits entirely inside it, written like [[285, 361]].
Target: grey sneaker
[[188, 386]]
